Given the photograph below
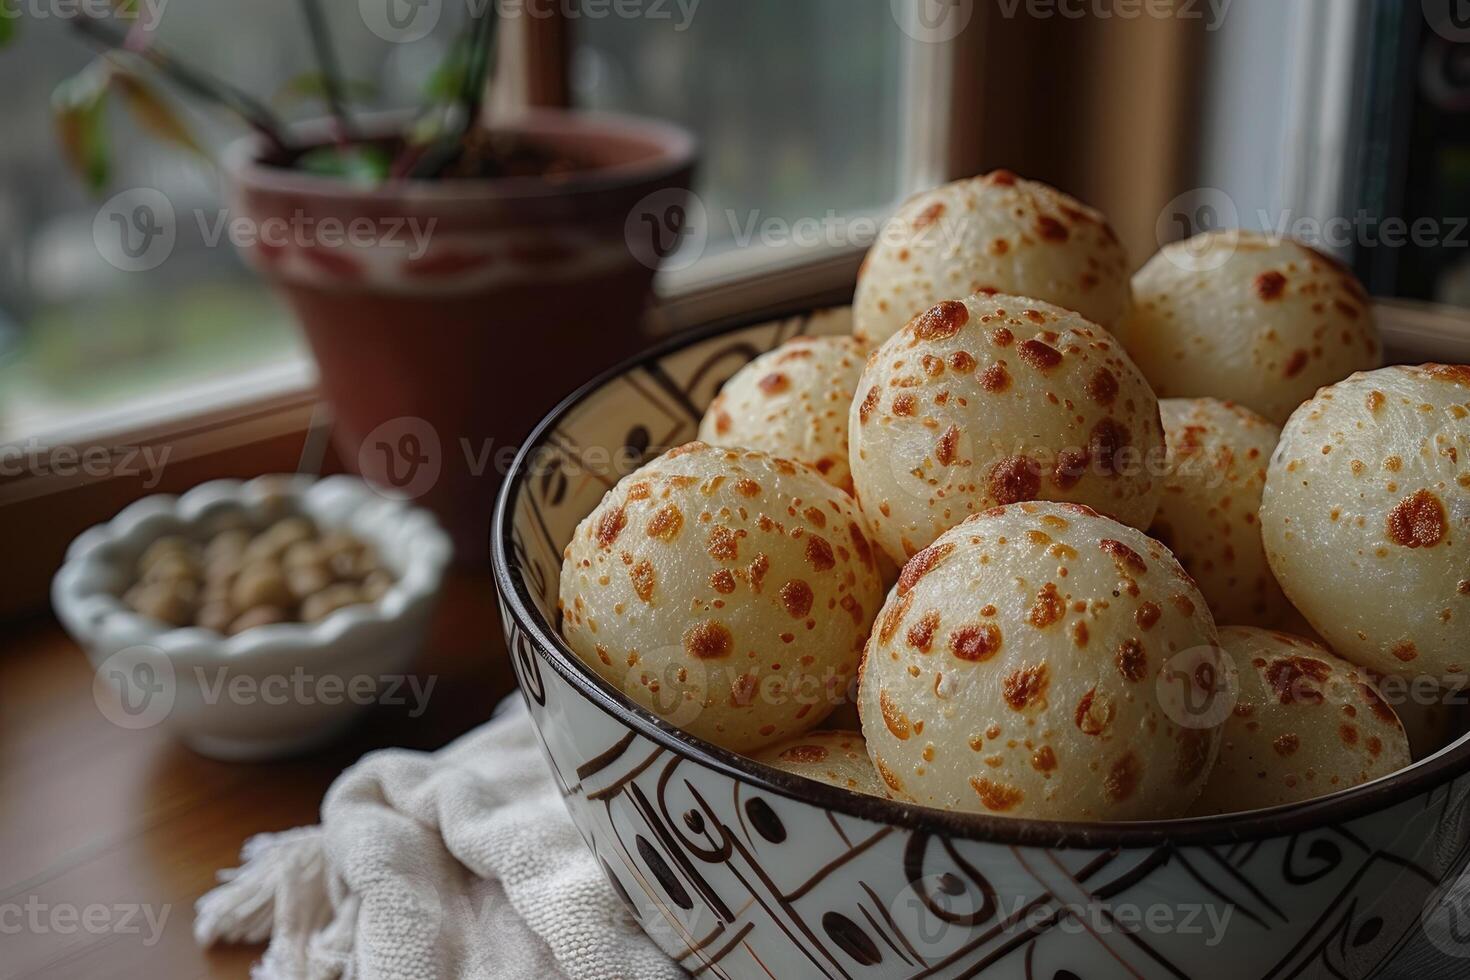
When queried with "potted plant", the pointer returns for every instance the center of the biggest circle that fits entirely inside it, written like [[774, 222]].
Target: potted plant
[[454, 277]]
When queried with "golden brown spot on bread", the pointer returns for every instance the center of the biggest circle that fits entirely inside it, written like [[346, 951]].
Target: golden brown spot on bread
[[1296, 362], [724, 544], [1123, 778], [1294, 679], [947, 448], [1103, 387], [1041, 356], [904, 405], [1131, 660], [870, 402], [996, 378], [1025, 686], [894, 616], [1126, 558], [610, 525], [962, 361], [1044, 759], [1093, 713], [893, 719], [1147, 615], [723, 581], [929, 215], [1286, 743], [804, 754], [1418, 521], [1106, 445], [797, 597], [976, 642], [1270, 285], [1014, 479], [1051, 229], [644, 580], [994, 796], [819, 552], [1048, 608], [941, 320], [666, 523], [922, 564], [774, 383], [921, 634], [709, 640]]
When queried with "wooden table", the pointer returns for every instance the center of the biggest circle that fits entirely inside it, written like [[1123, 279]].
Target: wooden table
[[93, 815]]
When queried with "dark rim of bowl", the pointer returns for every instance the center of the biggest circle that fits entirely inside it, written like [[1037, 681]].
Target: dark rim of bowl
[[1336, 808]]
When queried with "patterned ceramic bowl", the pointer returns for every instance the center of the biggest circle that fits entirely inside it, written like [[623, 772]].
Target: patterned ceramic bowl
[[739, 870]]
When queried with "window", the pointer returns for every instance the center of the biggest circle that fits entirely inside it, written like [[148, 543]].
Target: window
[[83, 343]]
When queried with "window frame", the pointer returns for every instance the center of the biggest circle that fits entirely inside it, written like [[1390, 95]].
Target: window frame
[[274, 420]]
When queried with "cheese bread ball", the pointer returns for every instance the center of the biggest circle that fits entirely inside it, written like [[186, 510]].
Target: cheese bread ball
[[1432, 716], [1239, 316], [1016, 670], [1209, 514], [996, 233], [1366, 518], [792, 402], [994, 400], [1306, 723], [838, 758], [729, 592]]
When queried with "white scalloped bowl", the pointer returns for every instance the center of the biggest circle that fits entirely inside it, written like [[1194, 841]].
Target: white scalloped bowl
[[268, 691]]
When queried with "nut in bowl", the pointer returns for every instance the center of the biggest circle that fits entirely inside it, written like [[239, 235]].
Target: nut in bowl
[[254, 619], [811, 867]]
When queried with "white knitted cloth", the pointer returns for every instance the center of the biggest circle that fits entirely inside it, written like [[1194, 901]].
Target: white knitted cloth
[[460, 863]]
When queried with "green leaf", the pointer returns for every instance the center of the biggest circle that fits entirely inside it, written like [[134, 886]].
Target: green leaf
[[448, 77], [313, 85], [358, 164], [151, 112], [79, 106]]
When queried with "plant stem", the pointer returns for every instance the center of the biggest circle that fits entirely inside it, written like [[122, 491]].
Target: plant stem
[[326, 57], [255, 114], [430, 161]]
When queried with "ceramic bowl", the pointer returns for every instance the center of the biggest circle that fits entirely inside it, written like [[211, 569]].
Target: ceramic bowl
[[738, 870], [268, 691]]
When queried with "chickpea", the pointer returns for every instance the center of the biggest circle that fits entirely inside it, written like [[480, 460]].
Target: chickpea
[[163, 601], [307, 580], [229, 545], [376, 584], [166, 546], [329, 600], [173, 566], [260, 584], [257, 616], [216, 616], [303, 553]]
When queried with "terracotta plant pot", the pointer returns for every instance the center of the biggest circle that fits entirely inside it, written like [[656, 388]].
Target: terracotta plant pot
[[446, 317]]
